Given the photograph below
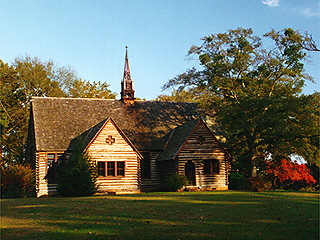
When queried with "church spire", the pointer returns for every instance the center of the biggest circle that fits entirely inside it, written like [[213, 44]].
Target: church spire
[[127, 92]]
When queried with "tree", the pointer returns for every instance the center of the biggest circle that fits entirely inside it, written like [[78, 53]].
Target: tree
[[86, 89], [290, 175], [17, 181], [255, 94], [29, 77], [77, 174], [10, 92], [185, 95]]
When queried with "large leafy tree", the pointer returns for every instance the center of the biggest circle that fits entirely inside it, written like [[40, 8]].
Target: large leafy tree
[[255, 94], [27, 77]]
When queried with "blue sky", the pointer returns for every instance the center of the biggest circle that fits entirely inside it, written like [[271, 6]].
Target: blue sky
[[91, 36]]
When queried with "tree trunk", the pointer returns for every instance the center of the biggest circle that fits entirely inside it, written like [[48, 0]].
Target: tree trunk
[[251, 157]]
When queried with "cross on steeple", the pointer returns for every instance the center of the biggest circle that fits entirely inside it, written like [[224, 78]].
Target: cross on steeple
[[127, 92]]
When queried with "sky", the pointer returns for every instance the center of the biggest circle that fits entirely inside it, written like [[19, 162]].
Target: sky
[[90, 36]]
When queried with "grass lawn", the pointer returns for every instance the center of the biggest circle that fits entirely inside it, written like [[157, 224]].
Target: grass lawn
[[180, 215]]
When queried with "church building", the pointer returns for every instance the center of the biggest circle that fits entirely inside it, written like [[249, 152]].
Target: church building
[[136, 144]]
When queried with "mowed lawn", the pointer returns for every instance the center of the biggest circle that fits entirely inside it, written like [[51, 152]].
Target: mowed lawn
[[180, 215]]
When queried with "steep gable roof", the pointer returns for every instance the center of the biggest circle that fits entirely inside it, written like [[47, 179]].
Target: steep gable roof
[[176, 139], [89, 136], [59, 120]]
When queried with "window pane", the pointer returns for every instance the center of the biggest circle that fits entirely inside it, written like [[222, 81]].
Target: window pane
[[50, 159], [120, 168], [111, 169], [102, 169], [207, 167], [211, 166], [50, 163], [215, 166]]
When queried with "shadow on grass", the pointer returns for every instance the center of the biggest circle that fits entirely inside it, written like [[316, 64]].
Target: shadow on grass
[[204, 215]]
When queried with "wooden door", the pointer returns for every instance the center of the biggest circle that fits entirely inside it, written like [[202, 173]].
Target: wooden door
[[190, 172]]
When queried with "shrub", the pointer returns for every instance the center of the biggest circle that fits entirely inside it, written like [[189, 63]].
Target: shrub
[[17, 181], [257, 184], [290, 175], [77, 175], [309, 188], [236, 181], [175, 182]]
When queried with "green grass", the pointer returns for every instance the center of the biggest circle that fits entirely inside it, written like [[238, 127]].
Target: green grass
[[181, 215]]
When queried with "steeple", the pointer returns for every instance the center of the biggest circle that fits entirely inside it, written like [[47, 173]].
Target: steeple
[[127, 92]]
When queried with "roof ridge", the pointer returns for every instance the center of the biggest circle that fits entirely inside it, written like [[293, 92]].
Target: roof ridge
[[72, 98], [106, 99]]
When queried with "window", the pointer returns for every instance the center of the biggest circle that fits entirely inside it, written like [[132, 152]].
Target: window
[[52, 158], [146, 165], [111, 169], [120, 168], [211, 166], [102, 169]]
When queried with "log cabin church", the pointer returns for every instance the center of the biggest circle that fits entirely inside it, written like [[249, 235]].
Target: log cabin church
[[136, 144]]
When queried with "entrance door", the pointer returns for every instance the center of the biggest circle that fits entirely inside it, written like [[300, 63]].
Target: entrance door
[[190, 172]]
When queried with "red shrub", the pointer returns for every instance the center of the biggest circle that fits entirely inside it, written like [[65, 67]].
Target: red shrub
[[290, 174]]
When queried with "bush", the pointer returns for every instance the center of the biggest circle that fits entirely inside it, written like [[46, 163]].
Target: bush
[[236, 181], [290, 175], [257, 184], [310, 188], [17, 181], [77, 175], [175, 182]]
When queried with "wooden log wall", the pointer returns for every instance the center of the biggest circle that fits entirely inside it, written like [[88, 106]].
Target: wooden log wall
[[41, 167], [166, 169], [198, 152], [120, 150], [152, 184]]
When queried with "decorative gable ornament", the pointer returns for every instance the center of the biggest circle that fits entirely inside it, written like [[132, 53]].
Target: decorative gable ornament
[[110, 140], [201, 140]]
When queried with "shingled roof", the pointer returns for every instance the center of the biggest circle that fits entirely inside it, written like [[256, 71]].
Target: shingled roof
[[59, 120], [176, 138]]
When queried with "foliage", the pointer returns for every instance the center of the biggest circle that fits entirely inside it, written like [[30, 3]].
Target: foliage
[[315, 172], [236, 181], [185, 95], [77, 174], [255, 92], [257, 184], [310, 188], [176, 182], [30, 77], [290, 175], [171, 215], [17, 181], [86, 89]]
